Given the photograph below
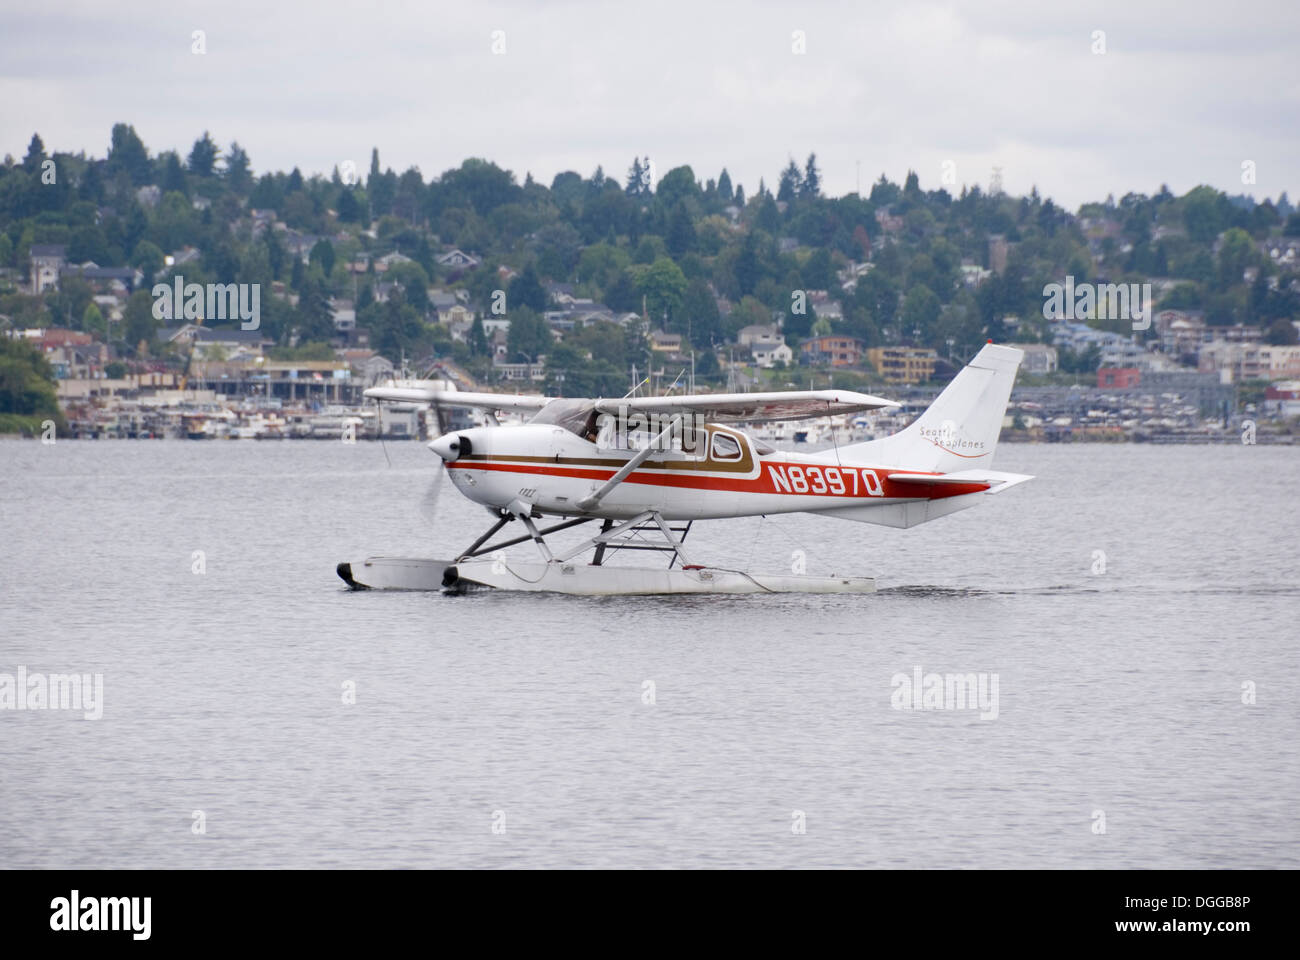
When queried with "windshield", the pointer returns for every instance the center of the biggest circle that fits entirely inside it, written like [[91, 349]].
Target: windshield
[[576, 416]]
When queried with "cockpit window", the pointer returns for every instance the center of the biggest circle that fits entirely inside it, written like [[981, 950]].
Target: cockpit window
[[725, 447], [576, 416]]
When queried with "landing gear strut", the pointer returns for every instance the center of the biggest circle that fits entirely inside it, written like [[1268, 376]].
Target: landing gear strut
[[645, 531]]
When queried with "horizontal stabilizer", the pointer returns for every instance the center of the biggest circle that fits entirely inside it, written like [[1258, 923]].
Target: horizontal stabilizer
[[997, 480], [910, 513]]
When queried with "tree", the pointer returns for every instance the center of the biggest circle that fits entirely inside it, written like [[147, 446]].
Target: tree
[[791, 182], [699, 317], [477, 184], [275, 253], [724, 186], [127, 155], [748, 268], [414, 282], [812, 178], [1204, 213], [1236, 253], [622, 295], [677, 185], [528, 337], [769, 217], [558, 248], [638, 178], [92, 320], [819, 273], [203, 156], [35, 155], [663, 286], [27, 384], [173, 179], [526, 290], [681, 230], [920, 312], [350, 209], [1281, 333], [138, 323], [394, 326], [239, 176], [478, 345], [322, 252], [314, 321], [600, 263]]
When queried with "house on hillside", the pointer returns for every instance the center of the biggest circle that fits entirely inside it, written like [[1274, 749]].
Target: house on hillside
[[903, 364], [457, 258], [47, 262], [833, 350]]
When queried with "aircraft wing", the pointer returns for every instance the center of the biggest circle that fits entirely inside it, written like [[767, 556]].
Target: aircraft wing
[[459, 398], [746, 407]]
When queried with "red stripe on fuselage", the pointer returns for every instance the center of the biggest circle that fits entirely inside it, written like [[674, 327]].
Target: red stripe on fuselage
[[816, 479]]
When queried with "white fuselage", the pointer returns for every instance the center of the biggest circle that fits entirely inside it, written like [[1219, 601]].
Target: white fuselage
[[552, 469]]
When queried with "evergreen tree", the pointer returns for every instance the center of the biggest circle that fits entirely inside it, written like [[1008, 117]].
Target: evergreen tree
[[791, 182], [35, 155], [323, 253], [315, 320], [478, 345], [275, 252], [681, 231], [203, 156], [127, 155], [812, 179], [526, 290], [635, 178], [769, 217], [700, 319], [724, 186], [173, 179], [238, 175]]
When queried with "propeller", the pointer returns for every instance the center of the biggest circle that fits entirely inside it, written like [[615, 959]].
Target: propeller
[[429, 502], [432, 493]]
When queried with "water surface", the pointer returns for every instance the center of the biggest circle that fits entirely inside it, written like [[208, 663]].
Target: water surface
[[1120, 691]]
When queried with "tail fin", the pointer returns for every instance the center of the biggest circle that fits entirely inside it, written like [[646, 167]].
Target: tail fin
[[960, 429]]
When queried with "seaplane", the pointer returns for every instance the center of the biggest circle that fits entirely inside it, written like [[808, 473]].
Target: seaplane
[[644, 469]]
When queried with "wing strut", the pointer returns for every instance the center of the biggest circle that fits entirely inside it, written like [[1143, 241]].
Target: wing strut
[[590, 501]]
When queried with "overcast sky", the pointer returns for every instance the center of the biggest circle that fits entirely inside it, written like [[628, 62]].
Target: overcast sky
[[1183, 94]]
